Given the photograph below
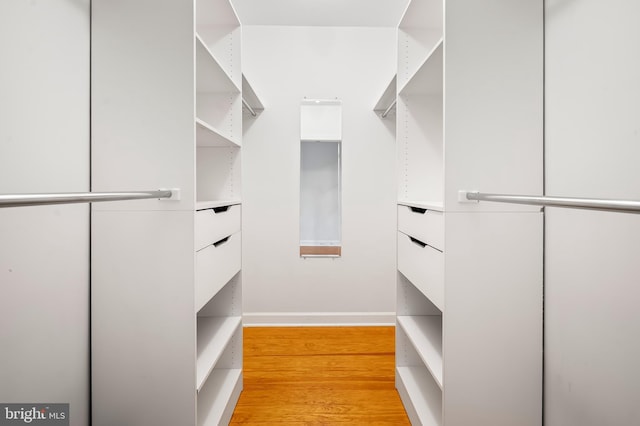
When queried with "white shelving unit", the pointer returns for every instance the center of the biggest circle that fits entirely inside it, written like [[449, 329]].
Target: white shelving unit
[[427, 80], [421, 397], [214, 334], [419, 107], [211, 76], [419, 32], [219, 354], [469, 103], [209, 136], [166, 275], [425, 334], [419, 357], [251, 98], [387, 99], [222, 385]]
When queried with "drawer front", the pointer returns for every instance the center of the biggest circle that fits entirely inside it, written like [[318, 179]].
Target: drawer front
[[215, 266], [425, 225], [214, 224], [423, 266]]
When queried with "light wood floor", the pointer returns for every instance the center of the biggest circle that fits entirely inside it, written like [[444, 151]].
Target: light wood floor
[[319, 376]]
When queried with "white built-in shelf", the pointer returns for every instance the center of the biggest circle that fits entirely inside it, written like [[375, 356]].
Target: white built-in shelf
[[219, 395], [422, 14], [212, 14], [425, 333], [419, 31], [387, 98], [201, 205], [428, 205], [207, 135], [427, 80], [423, 393], [214, 333], [250, 97], [210, 75]]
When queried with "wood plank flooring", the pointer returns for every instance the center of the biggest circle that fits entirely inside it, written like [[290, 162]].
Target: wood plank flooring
[[319, 376]]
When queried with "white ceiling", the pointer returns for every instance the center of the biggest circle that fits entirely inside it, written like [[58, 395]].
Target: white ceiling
[[329, 13]]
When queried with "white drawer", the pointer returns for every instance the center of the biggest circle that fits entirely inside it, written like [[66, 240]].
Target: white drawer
[[214, 224], [424, 225], [215, 266], [423, 266]]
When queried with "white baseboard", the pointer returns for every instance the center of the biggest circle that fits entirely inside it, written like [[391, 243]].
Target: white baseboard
[[318, 319]]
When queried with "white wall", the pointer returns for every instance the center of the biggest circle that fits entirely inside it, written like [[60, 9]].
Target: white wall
[[592, 291], [44, 255], [284, 65]]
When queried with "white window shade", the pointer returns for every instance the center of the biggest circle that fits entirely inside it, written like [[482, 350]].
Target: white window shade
[[321, 120]]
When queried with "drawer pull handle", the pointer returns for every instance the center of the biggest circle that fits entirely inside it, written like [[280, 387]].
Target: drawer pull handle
[[418, 210], [418, 242], [221, 242], [221, 209]]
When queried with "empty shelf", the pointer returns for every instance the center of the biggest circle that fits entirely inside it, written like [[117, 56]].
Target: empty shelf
[[420, 395], [214, 333], [427, 80], [210, 75], [425, 333], [219, 396], [207, 135]]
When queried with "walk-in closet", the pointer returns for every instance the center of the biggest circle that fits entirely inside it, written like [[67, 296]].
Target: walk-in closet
[[265, 212]]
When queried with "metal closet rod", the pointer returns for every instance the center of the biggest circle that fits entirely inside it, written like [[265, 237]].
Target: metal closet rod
[[248, 107], [22, 200], [389, 108], [622, 206]]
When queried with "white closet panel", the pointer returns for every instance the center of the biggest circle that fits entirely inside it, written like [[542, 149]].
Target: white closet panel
[[167, 286], [469, 117], [44, 147]]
